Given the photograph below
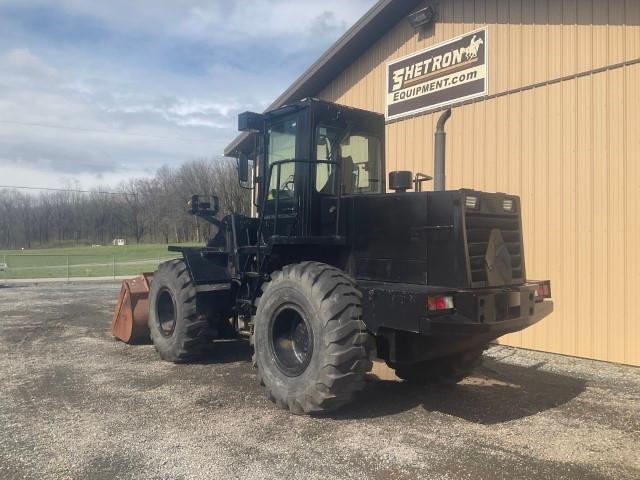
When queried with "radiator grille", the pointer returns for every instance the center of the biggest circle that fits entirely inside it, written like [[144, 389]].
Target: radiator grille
[[478, 229]]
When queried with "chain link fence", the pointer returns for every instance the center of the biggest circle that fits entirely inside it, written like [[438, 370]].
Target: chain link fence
[[36, 266]]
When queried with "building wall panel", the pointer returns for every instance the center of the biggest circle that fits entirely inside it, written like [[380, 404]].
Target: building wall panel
[[615, 334], [569, 148], [553, 195], [632, 213]]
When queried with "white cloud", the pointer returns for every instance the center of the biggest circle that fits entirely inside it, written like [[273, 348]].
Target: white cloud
[[144, 83], [27, 176], [260, 18], [101, 129], [216, 18], [20, 61], [193, 107]]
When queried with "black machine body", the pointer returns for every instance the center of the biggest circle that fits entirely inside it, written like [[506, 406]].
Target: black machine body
[[437, 272]]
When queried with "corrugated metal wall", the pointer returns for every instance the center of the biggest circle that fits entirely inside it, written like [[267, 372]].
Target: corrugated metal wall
[[570, 148]]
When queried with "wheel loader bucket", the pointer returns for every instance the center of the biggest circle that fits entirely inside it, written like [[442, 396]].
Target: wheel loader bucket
[[132, 310]]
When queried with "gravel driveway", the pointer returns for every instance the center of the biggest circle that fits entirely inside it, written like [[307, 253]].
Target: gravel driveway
[[75, 403]]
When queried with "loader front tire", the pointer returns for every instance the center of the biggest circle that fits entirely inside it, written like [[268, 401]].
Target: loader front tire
[[178, 333], [311, 345]]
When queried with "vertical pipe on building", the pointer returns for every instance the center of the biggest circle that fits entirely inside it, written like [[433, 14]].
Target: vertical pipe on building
[[439, 152]]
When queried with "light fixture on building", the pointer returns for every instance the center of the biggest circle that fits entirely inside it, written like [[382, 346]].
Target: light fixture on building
[[422, 17]]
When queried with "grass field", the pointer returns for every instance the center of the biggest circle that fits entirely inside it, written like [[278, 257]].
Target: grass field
[[101, 261]]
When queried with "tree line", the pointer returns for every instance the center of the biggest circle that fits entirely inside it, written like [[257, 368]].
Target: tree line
[[140, 210]]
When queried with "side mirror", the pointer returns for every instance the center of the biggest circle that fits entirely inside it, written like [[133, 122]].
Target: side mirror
[[243, 168]]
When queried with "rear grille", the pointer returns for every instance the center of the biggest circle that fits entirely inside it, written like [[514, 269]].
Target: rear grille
[[478, 229]]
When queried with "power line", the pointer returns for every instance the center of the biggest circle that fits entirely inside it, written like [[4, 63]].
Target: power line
[[68, 190], [75, 190], [95, 130]]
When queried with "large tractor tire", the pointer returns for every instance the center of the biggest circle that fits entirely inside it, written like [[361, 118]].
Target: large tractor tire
[[311, 346], [447, 370], [178, 333]]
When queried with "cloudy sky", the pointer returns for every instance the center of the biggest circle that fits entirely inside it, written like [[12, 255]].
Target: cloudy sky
[[93, 92]]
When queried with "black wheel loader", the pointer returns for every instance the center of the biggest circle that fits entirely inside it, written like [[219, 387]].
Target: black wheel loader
[[334, 272]]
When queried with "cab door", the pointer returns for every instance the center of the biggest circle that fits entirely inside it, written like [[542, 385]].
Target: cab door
[[285, 168]]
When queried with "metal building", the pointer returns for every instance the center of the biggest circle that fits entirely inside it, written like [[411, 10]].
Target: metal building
[[552, 113]]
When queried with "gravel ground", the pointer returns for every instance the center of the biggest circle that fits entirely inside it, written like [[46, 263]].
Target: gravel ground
[[75, 403]]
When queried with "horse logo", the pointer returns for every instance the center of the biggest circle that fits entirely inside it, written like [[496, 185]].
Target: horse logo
[[474, 46]]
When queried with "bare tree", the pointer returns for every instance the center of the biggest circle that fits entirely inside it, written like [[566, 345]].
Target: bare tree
[[145, 209]]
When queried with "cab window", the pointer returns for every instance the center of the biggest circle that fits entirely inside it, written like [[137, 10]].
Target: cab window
[[282, 146], [359, 156]]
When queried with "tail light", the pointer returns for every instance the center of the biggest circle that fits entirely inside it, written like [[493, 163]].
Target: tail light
[[543, 291], [439, 302]]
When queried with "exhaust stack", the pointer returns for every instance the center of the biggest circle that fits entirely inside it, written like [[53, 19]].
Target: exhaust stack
[[439, 152]]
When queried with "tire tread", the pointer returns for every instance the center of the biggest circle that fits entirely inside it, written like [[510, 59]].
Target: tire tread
[[347, 342], [193, 339]]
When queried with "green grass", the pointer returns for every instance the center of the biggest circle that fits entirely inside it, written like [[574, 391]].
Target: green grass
[[133, 252], [84, 261]]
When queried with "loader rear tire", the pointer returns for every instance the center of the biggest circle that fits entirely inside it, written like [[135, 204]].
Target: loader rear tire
[[178, 333], [311, 345], [445, 371]]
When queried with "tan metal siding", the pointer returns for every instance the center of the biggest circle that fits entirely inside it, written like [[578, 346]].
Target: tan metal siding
[[539, 40], [571, 150]]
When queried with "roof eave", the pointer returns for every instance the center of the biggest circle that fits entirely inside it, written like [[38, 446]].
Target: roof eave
[[342, 53]]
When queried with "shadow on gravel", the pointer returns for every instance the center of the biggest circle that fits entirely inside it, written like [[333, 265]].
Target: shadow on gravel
[[219, 352], [496, 393], [227, 351]]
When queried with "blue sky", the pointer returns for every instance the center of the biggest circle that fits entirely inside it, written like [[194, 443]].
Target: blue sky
[[94, 92]]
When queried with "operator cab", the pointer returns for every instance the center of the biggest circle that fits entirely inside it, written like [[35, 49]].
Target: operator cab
[[307, 152]]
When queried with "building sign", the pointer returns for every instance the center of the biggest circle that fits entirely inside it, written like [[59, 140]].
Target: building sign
[[446, 73]]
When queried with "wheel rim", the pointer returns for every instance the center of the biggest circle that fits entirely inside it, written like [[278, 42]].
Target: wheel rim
[[166, 309], [291, 341]]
